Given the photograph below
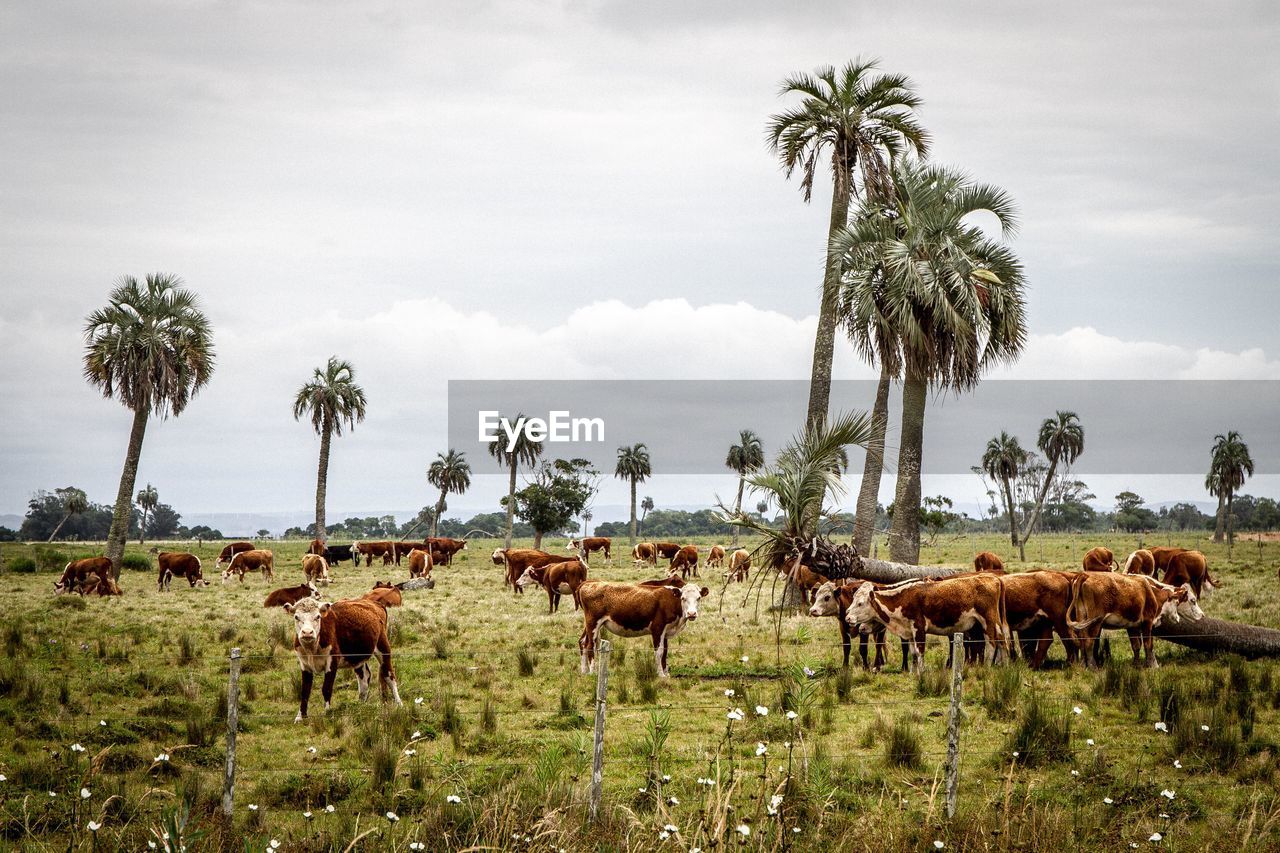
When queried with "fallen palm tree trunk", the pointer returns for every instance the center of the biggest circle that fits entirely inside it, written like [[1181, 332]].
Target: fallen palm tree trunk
[[883, 571], [1219, 635]]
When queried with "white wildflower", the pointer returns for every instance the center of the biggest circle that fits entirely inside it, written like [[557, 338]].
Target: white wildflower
[[3, 778], [329, 809], [1162, 727], [1077, 710], [162, 757], [275, 844], [808, 672], [663, 835], [392, 816], [417, 700], [1204, 728], [761, 749], [417, 845], [75, 747], [666, 778], [1164, 816], [1075, 772], [730, 693], [762, 711], [311, 749], [307, 815], [1167, 794], [85, 794], [253, 807], [736, 714], [1108, 800], [938, 845], [673, 801], [453, 798], [94, 826], [1089, 741], [743, 830], [102, 722], [415, 735], [791, 715], [1156, 837], [1177, 764], [411, 752], [671, 827]]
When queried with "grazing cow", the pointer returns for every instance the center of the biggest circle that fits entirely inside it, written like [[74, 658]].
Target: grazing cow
[[1137, 604], [181, 564], [369, 550], [644, 553], [988, 562], [1035, 606], [291, 595], [803, 577], [1190, 568], [229, 551], [446, 548], [315, 569], [1162, 555], [557, 579], [586, 546], [385, 593], [498, 558], [343, 634], [685, 561], [912, 611], [715, 557], [666, 550], [251, 561], [1140, 562], [633, 610], [739, 565], [420, 563], [518, 559], [1100, 560], [335, 554], [92, 574]]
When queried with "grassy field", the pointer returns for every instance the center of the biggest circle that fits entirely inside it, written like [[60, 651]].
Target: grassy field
[[493, 745]]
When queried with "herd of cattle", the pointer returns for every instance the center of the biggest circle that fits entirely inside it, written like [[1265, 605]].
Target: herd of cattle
[[1154, 586]]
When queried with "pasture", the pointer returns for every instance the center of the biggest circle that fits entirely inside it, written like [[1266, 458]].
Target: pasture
[[493, 745]]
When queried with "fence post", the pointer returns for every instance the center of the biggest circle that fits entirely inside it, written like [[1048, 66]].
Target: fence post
[[597, 758], [953, 722], [233, 721]]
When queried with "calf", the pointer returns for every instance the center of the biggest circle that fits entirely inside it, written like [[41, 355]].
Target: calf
[[181, 564], [590, 544], [385, 593], [315, 569], [446, 548], [1099, 560], [343, 634], [633, 610], [1137, 604], [1036, 607], [92, 574], [715, 557], [739, 565], [644, 553], [518, 559], [1140, 562], [685, 561], [290, 595], [557, 579], [420, 563], [665, 550], [228, 552], [833, 599], [250, 561], [985, 561], [1190, 568]]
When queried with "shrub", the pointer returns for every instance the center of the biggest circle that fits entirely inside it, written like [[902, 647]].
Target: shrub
[[22, 565], [525, 662], [902, 747], [1000, 691], [933, 682], [1041, 736], [135, 563], [50, 559]]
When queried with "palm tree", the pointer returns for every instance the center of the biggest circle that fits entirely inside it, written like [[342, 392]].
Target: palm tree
[[1061, 440], [744, 457], [152, 348], [647, 506], [74, 502], [1002, 461], [449, 473], [332, 398], [633, 466], [865, 119], [1229, 467], [511, 454], [148, 499], [762, 507], [951, 295]]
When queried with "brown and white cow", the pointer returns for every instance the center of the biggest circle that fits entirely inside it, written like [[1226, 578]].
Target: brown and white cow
[[316, 547], [739, 565], [1035, 605], [1190, 568], [685, 561], [557, 579], [833, 599], [229, 551], [420, 563], [644, 553], [1134, 603], [941, 607], [804, 577], [385, 593], [985, 561], [290, 595], [633, 610], [257, 560], [665, 550], [183, 565], [369, 550], [87, 576], [518, 559], [1100, 560], [1140, 562], [400, 550], [715, 557], [590, 544], [343, 634], [315, 569], [446, 548]]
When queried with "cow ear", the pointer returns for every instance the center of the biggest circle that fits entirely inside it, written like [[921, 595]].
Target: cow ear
[[288, 607], [704, 592], [324, 607]]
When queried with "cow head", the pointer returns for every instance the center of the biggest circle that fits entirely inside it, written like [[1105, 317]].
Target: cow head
[[226, 573], [860, 609], [573, 545], [826, 601], [307, 616], [689, 597], [499, 556], [531, 575], [1188, 606]]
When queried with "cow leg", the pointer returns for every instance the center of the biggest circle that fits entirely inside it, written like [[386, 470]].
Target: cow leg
[[879, 636], [845, 643], [307, 679], [363, 677], [660, 651], [1041, 644], [1135, 643], [917, 649], [386, 672], [326, 687], [587, 645], [1148, 643]]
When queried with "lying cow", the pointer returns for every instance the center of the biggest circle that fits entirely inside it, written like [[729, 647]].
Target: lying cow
[[229, 552], [1136, 604], [251, 561], [557, 579], [644, 553], [715, 557], [518, 559], [183, 565], [291, 595], [315, 569], [343, 634], [385, 593], [739, 565], [420, 563], [87, 576], [1100, 560], [633, 610], [985, 561], [685, 561], [589, 545]]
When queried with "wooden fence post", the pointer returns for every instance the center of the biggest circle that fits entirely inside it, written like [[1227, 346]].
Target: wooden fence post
[[233, 722], [597, 758], [953, 722]]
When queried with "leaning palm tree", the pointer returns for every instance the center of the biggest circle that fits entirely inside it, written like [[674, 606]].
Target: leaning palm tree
[[1229, 467], [744, 457], [951, 295], [148, 499], [646, 507], [74, 502], [1061, 440], [152, 348], [864, 120], [331, 399], [634, 467], [512, 453], [451, 472], [1003, 460]]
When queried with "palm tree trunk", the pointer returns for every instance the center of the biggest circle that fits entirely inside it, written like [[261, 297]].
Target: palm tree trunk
[[1231, 525], [883, 571], [1221, 525], [864, 522], [511, 506], [1219, 635], [737, 507], [537, 540], [128, 478], [435, 519], [142, 528], [825, 339], [904, 540], [322, 477], [59, 527], [1008, 507], [1035, 512], [633, 512]]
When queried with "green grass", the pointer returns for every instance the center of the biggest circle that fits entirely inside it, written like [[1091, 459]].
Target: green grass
[[505, 725]]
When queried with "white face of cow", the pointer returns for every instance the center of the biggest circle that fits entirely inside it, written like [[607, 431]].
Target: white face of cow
[[498, 557], [689, 598], [526, 578], [572, 546], [1188, 607], [307, 615], [860, 609], [825, 601]]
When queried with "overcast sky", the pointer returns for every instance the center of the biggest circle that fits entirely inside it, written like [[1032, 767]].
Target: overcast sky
[[580, 190]]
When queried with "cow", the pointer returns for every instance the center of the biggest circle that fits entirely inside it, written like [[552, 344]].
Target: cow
[[335, 554], [446, 548], [833, 599], [400, 550], [228, 552], [1137, 604], [518, 559], [685, 561], [291, 595], [369, 550], [1190, 568], [343, 634], [316, 547], [633, 610], [420, 563], [1035, 606], [315, 569], [557, 579], [985, 561], [1161, 556], [715, 557], [1140, 562], [804, 577], [644, 554], [590, 544], [92, 574], [739, 565], [181, 564], [665, 550], [1099, 560], [385, 593], [913, 611], [498, 557], [250, 561]]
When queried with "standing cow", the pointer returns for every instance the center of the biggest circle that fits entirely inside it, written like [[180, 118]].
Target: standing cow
[[251, 561], [644, 554], [420, 563], [685, 561], [633, 610], [1134, 603], [343, 634], [181, 564], [715, 557], [585, 547], [315, 569], [229, 552], [557, 579]]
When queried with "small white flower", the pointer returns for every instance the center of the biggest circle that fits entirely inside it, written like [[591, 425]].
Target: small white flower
[[411, 752], [1133, 844], [162, 757], [1075, 772], [102, 723], [743, 830], [1015, 753], [1177, 764], [938, 845], [417, 700], [307, 815], [329, 809], [3, 778], [1108, 800], [1164, 816], [1077, 710], [253, 807], [1161, 727], [417, 845], [151, 844], [311, 749], [1089, 741], [75, 747], [1167, 794], [796, 830], [744, 660], [1204, 728], [642, 790], [736, 714], [453, 798], [94, 826], [1156, 837], [392, 816], [791, 715], [415, 735], [808, 672], [85, 794], [53, 794], [786, 744], [275, 844], [673, 801], [730, 693], [761, 749], [666, 778], [762, 711], [671, 827], [663, 835]]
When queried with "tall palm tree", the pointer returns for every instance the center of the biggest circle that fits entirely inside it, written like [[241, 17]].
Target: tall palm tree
[[450, 472], [1003, 461], [74, 502], [646, 507], [148, 499], [951, 295], [634, 467], [511, 454], [152, 348], [744, 457], [1061, 440], [864, 120], [1230, 465], [331, 399]]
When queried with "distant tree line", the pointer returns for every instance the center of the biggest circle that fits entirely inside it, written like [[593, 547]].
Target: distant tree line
[[66, 514]]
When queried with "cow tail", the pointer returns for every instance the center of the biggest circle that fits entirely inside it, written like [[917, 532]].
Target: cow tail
[[1003, 615], [1129, 562], [1077, 583]]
